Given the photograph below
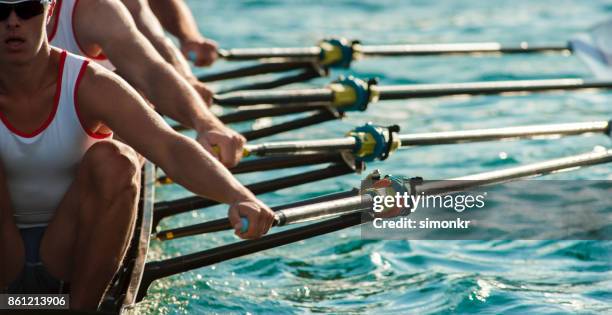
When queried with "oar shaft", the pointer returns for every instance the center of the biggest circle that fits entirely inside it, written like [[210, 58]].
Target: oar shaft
[[534, 131], [323, 210], [224, 224], [302, 147], [482, 88], [398, 92], [321, 95], [435, 138], [456, 49], [364, 202], [240, 54], [269, 67], [394, 50], [542, 168], [524, 171]]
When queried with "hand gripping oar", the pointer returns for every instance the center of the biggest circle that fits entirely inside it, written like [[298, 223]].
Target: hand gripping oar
[[370, 142], [351, 94], [350, 212], [224, 224]]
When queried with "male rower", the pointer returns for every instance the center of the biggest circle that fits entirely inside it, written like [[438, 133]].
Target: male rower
[[68, 191], [104, 31]]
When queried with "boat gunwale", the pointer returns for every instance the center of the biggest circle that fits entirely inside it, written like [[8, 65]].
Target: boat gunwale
[[122, 293]]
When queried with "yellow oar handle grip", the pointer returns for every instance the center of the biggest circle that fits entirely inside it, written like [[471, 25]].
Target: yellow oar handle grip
[[245, 152]]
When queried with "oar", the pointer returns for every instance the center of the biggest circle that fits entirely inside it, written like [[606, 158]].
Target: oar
[[269, 67], [368, 143], [339, 52], [350, 213], [365, 138], [363, 202], [224, 224], [349, 94]]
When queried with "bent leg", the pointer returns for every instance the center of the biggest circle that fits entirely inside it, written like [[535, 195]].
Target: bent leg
[[89, 235], [11, 245]]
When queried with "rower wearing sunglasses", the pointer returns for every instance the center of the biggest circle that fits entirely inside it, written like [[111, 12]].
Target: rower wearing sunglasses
[[104, 31], [68, 191]]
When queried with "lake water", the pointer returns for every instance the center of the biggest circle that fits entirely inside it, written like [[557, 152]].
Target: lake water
[[340, 272]]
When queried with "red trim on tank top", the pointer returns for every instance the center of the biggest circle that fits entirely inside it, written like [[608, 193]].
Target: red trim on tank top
[[100, 56], [58, 93], [57, 14], [95, 135]]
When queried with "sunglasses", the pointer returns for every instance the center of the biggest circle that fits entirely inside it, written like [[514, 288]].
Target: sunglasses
[[24, 10]]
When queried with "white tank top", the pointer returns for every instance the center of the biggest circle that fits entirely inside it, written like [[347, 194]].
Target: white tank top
[[41, 166], [62, 35]]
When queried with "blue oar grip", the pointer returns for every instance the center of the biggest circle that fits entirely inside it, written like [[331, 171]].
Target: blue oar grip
[[245, 225], [192, 55]]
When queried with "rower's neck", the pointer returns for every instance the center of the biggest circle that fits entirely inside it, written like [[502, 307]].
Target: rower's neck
[[28, 77]]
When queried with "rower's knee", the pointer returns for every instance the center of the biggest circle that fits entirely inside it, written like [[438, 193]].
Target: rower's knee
[[114, 169]]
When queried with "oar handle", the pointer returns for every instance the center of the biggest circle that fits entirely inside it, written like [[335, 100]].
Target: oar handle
[[192, 56], [245, 151], [245, 224], [223, 53]]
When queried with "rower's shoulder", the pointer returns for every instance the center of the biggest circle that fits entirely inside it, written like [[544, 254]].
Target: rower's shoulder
[[99, 83], [102, 15]]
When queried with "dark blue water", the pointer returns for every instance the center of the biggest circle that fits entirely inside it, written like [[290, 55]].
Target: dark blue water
[[341, 273]]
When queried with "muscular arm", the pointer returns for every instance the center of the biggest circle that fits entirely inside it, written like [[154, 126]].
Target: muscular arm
[[105, 98], [176, 18], [109, 25], [150, 27]]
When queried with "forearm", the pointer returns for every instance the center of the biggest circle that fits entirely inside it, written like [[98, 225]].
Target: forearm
[[204, 176], [139, 126], [172, 55], [174, 97], [176, 18], [150, 27]]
